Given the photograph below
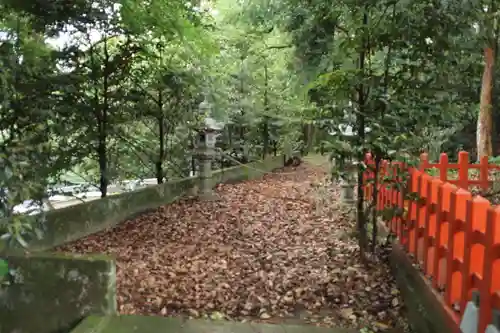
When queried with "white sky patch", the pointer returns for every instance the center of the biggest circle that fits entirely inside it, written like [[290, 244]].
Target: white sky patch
[[70, 37]]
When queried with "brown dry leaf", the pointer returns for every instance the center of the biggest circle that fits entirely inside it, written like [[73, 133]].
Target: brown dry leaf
[[265, 315], [264, 250], [347, 313]]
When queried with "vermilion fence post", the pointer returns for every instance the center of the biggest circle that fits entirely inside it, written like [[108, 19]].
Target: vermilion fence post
[[413, 207], [432, 224], [405, 179], [463, 170], [418, 215], [395, 195], [443, 167], [449, 252], [424, 162], [475, 228], [418, 212], [427, 180], [466, 271], [483, 173], [437, 239], [442, 218], [492, 221], [455, 254], [400, 201]]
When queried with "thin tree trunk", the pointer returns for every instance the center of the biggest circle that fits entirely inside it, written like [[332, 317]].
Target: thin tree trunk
[[360, 216], [265, 129], [161, 128], [305, 136], [161, 153], [161, 139], [265, 137], [485, 121], [102, 156], [103, 128], [193, 156]]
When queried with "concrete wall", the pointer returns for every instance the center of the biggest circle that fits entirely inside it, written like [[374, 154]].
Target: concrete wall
[[71, 223], [248, 171], [51, 293], [425, 308]]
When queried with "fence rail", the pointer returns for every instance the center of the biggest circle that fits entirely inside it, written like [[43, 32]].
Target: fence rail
[[463, 166], [453, 236]]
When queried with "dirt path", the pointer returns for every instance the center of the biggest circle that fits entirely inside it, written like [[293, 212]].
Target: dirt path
[[270, 249]]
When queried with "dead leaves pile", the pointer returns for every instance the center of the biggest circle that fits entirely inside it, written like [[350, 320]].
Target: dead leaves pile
[[265, 250]]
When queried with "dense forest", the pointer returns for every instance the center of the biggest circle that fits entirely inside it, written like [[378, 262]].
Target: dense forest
[[109, 90]]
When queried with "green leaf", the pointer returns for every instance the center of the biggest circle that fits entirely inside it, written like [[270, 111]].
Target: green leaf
[[4, 268], [21, 241]]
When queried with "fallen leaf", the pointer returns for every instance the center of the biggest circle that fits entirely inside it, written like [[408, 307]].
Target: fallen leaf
[[346, 313], [265, 249], [265, 315], [217, 316], [193, 313], [382, 326]]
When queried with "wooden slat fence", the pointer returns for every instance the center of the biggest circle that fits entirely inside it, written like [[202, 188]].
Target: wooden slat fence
[[453, 235]]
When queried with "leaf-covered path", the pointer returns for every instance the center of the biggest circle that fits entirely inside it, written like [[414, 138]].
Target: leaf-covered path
[[274, 249]]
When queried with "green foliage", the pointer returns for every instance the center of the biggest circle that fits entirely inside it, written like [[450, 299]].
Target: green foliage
[[120, 99], [4, 267], [4, 271]]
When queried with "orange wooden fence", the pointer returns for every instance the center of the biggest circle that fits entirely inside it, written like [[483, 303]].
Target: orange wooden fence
[[462, 168], [454, 236]]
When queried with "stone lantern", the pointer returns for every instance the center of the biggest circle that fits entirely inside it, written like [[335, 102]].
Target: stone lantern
[[347, 165], [207, 136], [347, 183]]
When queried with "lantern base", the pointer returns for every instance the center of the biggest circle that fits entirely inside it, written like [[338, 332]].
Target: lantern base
[[347, 193]]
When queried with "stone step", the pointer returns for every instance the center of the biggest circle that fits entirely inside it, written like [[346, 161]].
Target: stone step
[[153, 324]]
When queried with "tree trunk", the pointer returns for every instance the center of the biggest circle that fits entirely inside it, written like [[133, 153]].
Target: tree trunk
[[360, 120], [305, 136], [265, 129], [311, 140], [265, 137], [161, 152], [485, 121], [103, 128], [102, 156], [193, 157]]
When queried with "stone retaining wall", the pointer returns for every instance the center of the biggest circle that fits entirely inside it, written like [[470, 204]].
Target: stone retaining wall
[[49, 293], [74, 222], [425, 308]]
